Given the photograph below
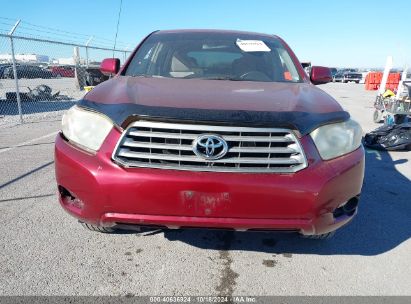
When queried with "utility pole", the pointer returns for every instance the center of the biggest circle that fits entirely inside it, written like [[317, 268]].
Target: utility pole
[[87, 44]]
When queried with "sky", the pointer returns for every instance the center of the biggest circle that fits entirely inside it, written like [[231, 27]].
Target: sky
[[344, 33]]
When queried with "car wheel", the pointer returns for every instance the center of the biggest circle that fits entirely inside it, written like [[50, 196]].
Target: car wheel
[[98, 228], [324, 236]]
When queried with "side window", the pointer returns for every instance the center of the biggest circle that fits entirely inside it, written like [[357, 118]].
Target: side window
[[182, 66], [290, 71], [144, 60]]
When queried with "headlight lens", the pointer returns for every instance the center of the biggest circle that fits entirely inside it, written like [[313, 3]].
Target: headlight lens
[[337, 139], [85, 128]]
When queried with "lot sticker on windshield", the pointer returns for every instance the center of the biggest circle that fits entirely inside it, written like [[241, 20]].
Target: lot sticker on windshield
[[252, 46]]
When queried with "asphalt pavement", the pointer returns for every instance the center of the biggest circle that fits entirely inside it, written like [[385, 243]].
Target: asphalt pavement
[[44, 251]]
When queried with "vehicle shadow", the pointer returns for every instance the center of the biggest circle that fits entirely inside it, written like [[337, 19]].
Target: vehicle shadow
[[382, 223]]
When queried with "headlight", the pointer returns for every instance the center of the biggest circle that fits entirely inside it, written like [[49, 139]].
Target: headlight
[[85, 128], [337, 139]]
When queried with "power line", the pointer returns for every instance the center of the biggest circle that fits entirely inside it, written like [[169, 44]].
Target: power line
[[52, 37], [47, 32], [118, 23], [53, 31], [4, 23], [73, 34], [7, 18]]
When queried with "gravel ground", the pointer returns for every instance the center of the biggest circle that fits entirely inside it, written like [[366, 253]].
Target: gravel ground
[[46, 252]]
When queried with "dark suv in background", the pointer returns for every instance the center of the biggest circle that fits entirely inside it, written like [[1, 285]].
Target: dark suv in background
[[3, 68], [27, 71], [346, 76]]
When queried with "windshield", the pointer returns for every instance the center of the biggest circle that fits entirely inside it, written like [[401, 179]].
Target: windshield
[[213, 56]]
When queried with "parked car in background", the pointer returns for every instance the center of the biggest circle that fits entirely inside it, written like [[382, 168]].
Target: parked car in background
[[333, 71], [352, 77], [338, 77], [94, 76], [345, 77], [62, 71], [214, 129], [28, 71], [3, 68]]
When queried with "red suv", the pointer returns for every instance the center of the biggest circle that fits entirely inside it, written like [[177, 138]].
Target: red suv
[[216, 129], [62, 71]]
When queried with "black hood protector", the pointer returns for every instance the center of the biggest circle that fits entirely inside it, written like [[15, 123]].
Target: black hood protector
[[124, 113]]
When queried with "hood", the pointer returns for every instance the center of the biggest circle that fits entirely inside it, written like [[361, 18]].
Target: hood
[[214, 94], [299, 106]]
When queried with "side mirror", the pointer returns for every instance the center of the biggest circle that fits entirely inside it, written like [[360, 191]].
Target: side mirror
[[110, 66], [320, 75]]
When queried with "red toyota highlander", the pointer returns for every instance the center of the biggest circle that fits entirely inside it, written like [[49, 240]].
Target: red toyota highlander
[[215, 129]]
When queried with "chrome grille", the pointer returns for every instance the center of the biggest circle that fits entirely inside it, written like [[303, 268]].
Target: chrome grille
[[170, 146]]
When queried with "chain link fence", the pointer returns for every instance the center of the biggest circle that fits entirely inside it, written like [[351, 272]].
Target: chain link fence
[[41, 78]]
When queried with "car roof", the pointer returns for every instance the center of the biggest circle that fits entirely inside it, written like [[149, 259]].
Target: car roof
[[213, 31]]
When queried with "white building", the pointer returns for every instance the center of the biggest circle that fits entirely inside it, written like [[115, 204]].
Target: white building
[[28, 58], [65, 61]]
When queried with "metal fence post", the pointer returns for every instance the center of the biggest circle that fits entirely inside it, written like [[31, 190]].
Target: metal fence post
[[16, 80]]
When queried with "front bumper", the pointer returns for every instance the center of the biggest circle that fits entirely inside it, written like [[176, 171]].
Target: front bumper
[[103, 193]]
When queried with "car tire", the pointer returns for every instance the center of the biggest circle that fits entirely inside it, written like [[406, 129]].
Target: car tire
[[324, 236], [98, 228]]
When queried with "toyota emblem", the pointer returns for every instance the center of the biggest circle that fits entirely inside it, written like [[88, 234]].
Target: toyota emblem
[[210, 147]]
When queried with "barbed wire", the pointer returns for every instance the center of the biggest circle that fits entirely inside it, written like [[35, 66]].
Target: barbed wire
[[67, 33], [7, 18], [48, 37], [55, 34], [4, 23]]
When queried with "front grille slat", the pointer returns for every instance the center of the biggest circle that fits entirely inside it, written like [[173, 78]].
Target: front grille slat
[[258, 139], [134, 144], [130, 143], [227, 137], [242, 160], [163, 135], [170, 146], [262, 150]]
